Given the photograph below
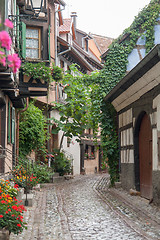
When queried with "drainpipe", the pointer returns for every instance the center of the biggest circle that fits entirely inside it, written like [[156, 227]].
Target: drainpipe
[[18, 117], [68, 50]]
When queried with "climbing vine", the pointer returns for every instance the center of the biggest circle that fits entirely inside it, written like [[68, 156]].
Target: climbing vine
[[114, 70]]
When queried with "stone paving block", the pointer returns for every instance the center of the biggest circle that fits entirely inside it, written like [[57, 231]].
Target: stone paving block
[[72, 210]]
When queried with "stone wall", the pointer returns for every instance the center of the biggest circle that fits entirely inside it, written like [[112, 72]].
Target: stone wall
[[156, 186], [127, 176]]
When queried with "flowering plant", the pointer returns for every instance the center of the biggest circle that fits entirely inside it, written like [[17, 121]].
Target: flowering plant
[[37, 71], [12, 60], [6, 187], [89, 155], [11, 211], [24, 179]]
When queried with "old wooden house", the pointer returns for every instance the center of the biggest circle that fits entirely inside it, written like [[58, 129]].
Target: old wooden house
[[136, 100]]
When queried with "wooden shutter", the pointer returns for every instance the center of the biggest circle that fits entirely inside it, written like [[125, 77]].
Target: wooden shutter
[[23, 39]]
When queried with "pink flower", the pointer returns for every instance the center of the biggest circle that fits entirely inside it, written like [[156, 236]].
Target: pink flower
[[15, 62], [3, 61], [8, 23], [2, 58], [5, 40]]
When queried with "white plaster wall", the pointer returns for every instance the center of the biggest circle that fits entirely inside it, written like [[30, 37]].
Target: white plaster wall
[[126, 136], [155, 133], [73, 149], [155, 150]]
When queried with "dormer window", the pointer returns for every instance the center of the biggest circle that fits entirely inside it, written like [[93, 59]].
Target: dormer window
[[33, 36], [86, 45]]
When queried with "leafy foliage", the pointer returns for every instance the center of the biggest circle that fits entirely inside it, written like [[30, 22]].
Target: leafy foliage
[[33, 133], [57, 73], [61, 163], [37, 71], [42, 172], [75, 112], [114, 70]]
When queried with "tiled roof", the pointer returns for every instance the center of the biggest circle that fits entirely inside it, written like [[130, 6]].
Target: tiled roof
[[66, 27], [102, 42]]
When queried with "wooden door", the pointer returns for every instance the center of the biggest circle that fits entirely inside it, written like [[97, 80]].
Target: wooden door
[[145, 157]]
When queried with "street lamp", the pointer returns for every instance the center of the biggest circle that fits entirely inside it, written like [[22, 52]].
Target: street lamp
[[36, 6]]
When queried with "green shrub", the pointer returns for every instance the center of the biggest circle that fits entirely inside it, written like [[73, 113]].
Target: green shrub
[[61, 163], [43, 173]]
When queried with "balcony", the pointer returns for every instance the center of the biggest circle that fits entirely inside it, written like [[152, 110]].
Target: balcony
[[30, 87]]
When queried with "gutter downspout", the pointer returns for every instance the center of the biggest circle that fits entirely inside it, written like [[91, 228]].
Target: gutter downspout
[[18, 117], [68, 50]]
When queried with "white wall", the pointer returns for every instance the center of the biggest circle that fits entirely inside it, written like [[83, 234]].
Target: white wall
[[73, 149], [127, 156]]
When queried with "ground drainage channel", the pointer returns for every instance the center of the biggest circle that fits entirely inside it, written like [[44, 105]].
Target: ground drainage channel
[[136, 220]]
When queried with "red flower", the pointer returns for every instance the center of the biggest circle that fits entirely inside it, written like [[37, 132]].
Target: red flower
[[15, 207], [1, 216], [18, 225]]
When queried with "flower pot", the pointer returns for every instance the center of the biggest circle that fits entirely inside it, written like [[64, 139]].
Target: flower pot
[[4, 234]]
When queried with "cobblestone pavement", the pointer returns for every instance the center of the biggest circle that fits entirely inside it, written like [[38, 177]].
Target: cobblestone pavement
[[74, 210]]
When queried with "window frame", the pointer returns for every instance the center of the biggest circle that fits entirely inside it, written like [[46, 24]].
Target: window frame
[[39, 42]]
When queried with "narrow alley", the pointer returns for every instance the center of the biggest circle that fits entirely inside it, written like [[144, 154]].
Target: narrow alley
[[75, 210]]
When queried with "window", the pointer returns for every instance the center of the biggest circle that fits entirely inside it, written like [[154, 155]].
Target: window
[[86, 45], [89, 152], [33, 36], [68, 141]]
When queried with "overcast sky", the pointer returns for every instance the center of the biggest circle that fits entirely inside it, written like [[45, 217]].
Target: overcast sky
[[104, 17]]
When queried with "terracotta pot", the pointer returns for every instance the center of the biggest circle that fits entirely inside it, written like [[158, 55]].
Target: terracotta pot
[[4, 234]]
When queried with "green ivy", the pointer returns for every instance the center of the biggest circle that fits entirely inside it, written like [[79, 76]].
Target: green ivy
[[114, 70], [32, 131]]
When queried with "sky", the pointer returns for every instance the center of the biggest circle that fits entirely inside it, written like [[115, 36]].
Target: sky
[[104, 17]]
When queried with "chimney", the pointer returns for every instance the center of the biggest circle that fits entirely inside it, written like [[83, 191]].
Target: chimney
[[74, 17]]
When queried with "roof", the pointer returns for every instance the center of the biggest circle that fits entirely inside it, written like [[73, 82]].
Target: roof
[[151, 59], [88, 56], [102, 42], [66, 27], [75, 53]]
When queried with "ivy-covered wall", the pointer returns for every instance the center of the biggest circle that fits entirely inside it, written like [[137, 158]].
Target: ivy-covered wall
[[115, 69]]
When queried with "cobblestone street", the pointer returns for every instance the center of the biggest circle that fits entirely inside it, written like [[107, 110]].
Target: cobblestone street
[[73, 210]]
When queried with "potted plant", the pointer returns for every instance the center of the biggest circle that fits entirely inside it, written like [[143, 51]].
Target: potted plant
[[37, 71]]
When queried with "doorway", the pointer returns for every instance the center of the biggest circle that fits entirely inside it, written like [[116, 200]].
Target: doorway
[[145, 157]]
